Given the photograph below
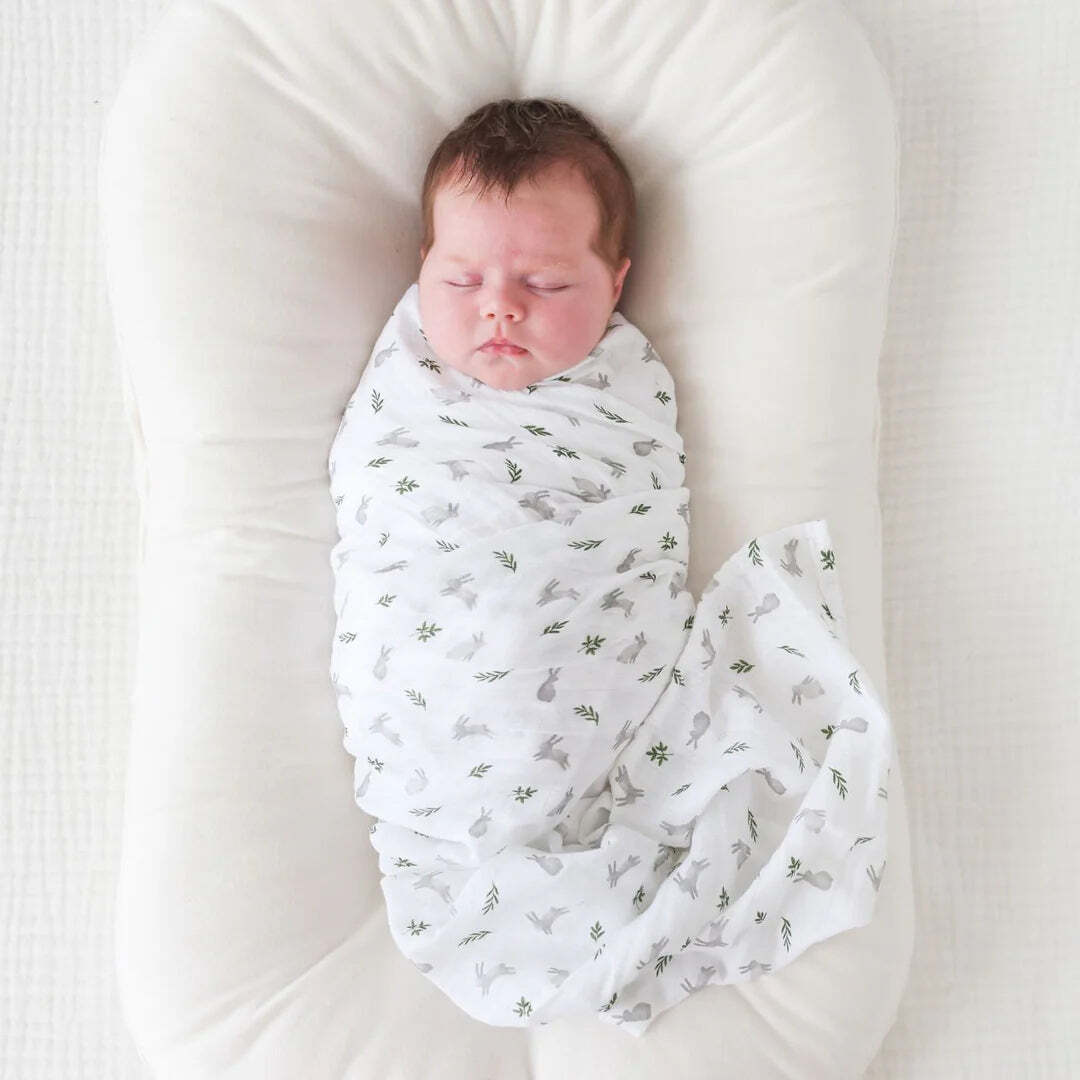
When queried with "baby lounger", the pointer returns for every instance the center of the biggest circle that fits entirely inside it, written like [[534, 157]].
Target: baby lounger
[[260, 183]]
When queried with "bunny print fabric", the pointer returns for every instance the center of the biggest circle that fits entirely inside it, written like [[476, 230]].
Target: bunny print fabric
[[591, 793]]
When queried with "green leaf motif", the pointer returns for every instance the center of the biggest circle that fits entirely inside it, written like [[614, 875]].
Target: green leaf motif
[[588, 713], [608, 414], [507, 559], [798, 757], [659, 753], [476, 935], [839, 781]]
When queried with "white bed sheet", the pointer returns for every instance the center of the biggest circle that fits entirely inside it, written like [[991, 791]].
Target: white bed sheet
[[980, 413]]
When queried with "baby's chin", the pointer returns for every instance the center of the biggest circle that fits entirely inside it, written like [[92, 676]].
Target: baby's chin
[[502, 372]]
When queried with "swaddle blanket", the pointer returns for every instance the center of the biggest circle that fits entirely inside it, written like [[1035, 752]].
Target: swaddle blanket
[[592, 794]]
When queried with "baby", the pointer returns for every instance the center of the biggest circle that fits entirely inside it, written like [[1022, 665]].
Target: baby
[[515, 289], [560, 748]]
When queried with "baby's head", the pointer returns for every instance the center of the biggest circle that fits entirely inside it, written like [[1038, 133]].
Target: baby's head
[[527, 218]]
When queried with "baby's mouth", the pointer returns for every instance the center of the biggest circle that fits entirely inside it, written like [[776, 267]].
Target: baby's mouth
[[508, 350]]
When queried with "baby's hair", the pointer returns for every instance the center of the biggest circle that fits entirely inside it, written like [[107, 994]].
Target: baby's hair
[[508, 142]]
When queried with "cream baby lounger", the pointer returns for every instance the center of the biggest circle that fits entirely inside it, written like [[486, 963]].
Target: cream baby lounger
[[260, 178]]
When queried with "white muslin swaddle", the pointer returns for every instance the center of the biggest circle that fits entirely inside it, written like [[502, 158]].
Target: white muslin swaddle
[[593, 794]]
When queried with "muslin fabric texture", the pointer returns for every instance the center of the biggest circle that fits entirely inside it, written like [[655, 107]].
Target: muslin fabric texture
[[593, 793]]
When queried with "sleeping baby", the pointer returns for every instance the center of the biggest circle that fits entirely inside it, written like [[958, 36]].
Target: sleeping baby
[[518, 288], [591, 793]]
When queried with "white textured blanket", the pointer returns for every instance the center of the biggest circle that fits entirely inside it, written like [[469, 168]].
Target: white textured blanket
[[593, 795]]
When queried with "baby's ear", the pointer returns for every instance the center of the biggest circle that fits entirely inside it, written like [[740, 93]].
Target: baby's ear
[[620, 277]]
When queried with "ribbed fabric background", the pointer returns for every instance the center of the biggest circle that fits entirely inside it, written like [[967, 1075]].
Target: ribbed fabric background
[[980, 499], [68, 540], [980, 455]]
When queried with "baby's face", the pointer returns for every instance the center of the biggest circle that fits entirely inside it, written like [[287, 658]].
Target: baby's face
[[522, 271]]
